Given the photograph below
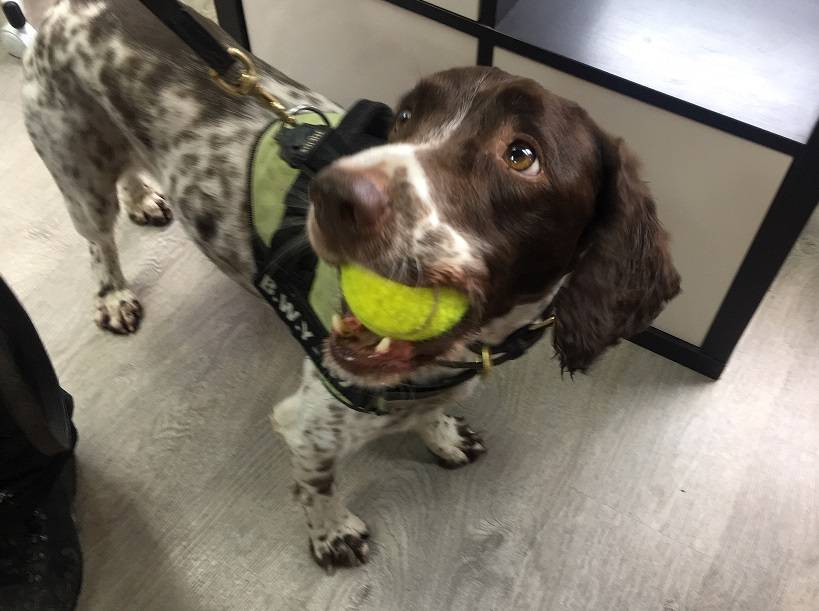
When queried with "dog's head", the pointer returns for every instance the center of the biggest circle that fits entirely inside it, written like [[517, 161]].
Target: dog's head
[[495, 186]]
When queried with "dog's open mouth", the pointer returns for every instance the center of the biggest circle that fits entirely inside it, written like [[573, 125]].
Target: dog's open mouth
[[361, 352]]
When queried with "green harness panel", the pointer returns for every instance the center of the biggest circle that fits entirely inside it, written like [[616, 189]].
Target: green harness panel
[[271, 179]]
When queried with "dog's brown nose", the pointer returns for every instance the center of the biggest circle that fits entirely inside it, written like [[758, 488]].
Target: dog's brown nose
[[349, 197]]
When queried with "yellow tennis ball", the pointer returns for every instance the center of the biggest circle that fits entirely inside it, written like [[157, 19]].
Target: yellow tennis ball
[[395, 310]]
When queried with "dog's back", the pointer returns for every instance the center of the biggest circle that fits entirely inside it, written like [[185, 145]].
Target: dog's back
[[115, 102]]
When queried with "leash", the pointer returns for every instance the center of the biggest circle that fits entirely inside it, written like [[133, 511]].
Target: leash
[[285, 280]]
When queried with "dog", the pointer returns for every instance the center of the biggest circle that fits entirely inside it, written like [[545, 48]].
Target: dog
[[488, 183]]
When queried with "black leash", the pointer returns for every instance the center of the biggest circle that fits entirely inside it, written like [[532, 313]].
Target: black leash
[[180, 21]]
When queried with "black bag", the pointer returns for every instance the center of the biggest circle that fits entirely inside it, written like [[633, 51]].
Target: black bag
[[40, 561]]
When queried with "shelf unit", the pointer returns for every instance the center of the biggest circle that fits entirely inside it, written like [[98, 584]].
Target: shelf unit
[[719, 101]]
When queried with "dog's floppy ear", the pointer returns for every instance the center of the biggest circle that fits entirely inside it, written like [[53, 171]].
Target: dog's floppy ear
[[624, 275]]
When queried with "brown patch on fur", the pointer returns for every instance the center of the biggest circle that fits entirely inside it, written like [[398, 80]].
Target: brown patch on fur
[[321, 484], [206, 226], [189, 160], [184, 136], [325, 464]]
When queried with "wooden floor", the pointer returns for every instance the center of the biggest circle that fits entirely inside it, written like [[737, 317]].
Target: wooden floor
[[642, 486]]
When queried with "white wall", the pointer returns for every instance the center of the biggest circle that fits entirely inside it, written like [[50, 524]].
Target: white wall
[[353, 49]]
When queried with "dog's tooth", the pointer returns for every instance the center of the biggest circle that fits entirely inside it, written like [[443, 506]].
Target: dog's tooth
[[383, 346], [338, 325]]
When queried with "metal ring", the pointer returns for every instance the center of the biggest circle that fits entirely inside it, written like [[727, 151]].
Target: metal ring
[[486, 360], [539, 324], [305, 108]]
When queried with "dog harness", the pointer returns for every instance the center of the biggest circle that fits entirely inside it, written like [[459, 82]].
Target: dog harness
[[302, 289]]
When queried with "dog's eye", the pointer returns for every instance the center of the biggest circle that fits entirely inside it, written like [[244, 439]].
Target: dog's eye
[[403, 116], [522, 158]]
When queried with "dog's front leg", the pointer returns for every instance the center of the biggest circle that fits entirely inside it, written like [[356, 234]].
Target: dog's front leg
[[450, 439], [311, 424]]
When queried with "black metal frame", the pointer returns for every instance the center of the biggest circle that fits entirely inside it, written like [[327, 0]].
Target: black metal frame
[[231, 15], [789, 212]]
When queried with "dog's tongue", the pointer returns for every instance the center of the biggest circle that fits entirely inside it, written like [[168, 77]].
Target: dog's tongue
[[362, 351]]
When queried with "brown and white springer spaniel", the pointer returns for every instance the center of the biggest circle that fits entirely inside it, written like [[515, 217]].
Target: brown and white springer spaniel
[[489, 183]]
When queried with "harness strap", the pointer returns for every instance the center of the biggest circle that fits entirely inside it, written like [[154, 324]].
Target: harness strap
[[510, 349], [288, 300]]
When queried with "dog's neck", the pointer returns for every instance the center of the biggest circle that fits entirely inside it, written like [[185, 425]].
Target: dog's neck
[[497, 330], [493, 333]]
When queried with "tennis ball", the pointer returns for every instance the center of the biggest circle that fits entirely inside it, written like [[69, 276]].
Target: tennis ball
[[398, 311]]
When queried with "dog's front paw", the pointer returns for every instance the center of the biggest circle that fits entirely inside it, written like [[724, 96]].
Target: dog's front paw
[[118, 311], [152, 210], [342, 545], [452, 442]]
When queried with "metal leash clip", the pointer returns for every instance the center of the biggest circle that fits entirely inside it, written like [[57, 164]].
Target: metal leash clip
[[248, 85]]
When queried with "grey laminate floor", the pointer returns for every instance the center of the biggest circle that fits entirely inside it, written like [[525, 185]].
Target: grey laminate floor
[[642, 486]]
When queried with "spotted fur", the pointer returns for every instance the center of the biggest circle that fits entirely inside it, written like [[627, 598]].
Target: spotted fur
[[115, 125], [122, 113], [320, 432]]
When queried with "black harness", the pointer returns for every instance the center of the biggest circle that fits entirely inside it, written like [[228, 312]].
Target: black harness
[[285, 274]]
